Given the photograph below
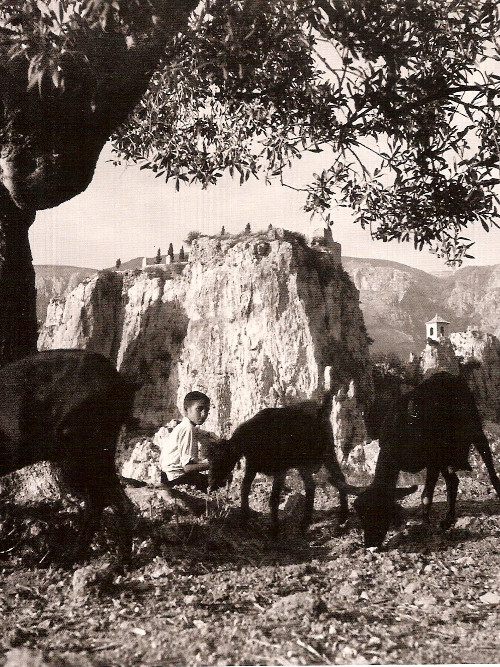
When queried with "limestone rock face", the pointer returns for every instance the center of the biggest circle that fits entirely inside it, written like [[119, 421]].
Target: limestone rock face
[[143, 463], [252, 321], [361, 463], [438, 356], [37, 483], [56, 281], [476, 355], [86, 317], [480, 354], [474, 297], [265, 320], [134, 318], [349, 429], [396, 301]]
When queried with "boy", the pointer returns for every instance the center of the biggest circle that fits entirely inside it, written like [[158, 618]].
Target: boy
[[179, 458]]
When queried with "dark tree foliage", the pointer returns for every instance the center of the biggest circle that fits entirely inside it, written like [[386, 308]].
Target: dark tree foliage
[[409, 87], [192, 236], [71, 72]]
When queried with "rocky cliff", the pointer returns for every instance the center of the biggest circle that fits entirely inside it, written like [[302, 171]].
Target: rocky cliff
[[56, 281], [252, 321], [396, 300], [475, 355], [480, 353], [438, 356], [473, 296]]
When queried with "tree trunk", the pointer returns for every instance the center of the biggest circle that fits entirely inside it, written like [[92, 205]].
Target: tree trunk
[[18, 323]]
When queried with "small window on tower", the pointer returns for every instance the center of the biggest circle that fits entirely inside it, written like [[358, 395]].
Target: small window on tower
[[432, 331]]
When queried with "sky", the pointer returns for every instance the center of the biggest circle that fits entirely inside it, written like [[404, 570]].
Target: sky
[[126, 213]]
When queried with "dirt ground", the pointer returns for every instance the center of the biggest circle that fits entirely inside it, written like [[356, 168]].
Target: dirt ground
[[204, 591]]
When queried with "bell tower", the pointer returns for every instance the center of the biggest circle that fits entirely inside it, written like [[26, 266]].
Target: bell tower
[[437, 328]]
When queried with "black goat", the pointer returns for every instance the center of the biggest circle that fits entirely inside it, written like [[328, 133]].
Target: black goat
[[273, 441], [68, 407], [432, 427]]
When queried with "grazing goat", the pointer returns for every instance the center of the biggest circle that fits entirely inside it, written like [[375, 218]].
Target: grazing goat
[[68, 407], [432, 427], [273, 441]]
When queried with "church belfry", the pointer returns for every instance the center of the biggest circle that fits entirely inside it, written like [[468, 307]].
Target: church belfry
[[436, 328]]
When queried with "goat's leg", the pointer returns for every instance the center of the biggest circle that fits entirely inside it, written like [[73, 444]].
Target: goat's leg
[[274, 500], [125, 513], [451, 480], [485, 452], [428, 493], [343, 508], [246, 485], [94, 507], [337, 479], [88, 483], [310, 488], [336, 476]]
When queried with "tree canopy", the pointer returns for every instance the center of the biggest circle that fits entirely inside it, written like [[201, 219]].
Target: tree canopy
[[409, 87]]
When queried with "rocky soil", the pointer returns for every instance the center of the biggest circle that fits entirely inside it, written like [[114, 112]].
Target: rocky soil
[[202, 590]]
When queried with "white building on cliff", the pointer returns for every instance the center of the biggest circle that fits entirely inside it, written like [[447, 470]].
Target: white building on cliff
[[437, 328]]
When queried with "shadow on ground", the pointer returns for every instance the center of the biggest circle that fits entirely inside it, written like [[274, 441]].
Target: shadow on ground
[[210, 533]]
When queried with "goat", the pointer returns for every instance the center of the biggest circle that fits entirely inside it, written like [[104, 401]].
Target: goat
[[432, 427], [274, 441], [68, 407]]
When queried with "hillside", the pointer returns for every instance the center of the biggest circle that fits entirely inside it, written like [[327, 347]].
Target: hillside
[[205, 591]]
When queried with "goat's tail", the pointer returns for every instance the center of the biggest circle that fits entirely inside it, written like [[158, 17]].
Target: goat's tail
[[483, 447]]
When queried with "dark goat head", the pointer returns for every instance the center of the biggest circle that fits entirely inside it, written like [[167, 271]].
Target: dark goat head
[[222, 459], [377, 509]]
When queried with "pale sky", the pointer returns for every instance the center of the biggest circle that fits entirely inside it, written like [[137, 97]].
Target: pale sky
[[126, 212]]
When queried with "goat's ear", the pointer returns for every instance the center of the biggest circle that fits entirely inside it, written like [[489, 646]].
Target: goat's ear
[[404, 491]]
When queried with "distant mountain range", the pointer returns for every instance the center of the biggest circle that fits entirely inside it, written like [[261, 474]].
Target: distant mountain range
[[396, 299]]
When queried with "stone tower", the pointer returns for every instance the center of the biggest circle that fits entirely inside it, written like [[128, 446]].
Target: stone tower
[[437, 328], [324, 239]]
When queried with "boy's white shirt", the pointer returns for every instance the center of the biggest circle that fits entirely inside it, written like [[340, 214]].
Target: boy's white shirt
[[178, 448]]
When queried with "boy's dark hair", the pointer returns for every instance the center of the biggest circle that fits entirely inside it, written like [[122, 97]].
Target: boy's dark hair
[[193, 397]]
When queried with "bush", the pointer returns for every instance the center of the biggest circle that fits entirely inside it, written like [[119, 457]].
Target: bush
[[191, 237]]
